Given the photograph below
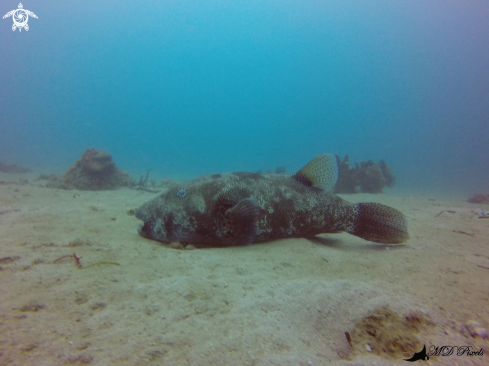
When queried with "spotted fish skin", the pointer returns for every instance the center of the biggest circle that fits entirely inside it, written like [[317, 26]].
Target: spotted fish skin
[[244, 208]]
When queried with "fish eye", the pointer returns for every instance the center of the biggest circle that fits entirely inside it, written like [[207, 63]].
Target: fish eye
[[182, 192]]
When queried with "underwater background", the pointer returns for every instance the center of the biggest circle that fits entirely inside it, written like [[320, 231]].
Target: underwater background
[[194, 87]]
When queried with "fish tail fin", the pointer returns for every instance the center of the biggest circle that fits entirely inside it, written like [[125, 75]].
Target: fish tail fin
[[378, 223]]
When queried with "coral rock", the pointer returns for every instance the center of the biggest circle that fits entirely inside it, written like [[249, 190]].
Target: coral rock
[[94, 171], [479, 198], [368, 177], [13, 168]]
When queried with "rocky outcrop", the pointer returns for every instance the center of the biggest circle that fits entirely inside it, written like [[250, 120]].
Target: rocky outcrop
[[94, 171], [13, 168], [368, 177], [479, 198]]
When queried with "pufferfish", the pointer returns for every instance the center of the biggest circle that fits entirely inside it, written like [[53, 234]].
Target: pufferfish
[[244, 208]]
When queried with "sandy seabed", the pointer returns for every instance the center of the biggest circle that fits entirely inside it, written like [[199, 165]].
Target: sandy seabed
[[287, 302]]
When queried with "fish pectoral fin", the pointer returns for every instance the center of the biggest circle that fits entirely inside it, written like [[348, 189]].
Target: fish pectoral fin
[[320, 172], [243, 220]]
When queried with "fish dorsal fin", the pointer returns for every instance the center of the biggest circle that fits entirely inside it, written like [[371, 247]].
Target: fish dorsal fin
[[320, 172], [243, 220]]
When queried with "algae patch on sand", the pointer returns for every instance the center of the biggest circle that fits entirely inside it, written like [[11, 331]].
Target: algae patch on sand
[[384, 332]]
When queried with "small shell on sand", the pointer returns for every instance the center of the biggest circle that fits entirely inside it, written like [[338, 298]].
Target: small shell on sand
[[474, 329]]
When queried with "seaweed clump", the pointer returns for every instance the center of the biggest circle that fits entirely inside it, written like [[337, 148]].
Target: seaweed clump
[[367, 177], [94, 171], [141, 185]]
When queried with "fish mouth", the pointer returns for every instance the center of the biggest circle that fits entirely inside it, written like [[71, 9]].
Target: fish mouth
[[141, 231], [146, 231]]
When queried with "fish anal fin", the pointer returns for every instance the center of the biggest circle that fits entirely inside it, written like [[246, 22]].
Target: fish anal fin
[[320, 172]]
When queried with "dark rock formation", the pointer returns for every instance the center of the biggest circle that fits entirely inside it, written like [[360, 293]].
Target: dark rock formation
[[281, 170], [479, 198], [348, 178], [368, 177], [371, 177], [94, 171], [13, 168]]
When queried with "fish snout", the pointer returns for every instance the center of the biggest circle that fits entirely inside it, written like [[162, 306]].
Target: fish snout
[[153, 232]]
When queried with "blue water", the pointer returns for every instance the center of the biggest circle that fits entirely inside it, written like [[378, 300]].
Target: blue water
[[194, 87]]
